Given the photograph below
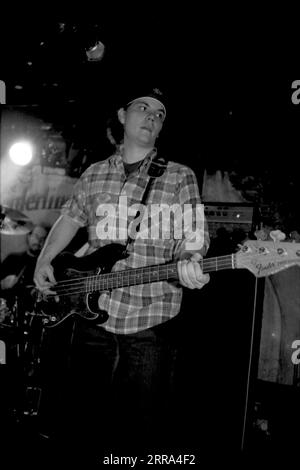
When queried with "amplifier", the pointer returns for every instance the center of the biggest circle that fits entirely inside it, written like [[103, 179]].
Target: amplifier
[[229, 215]]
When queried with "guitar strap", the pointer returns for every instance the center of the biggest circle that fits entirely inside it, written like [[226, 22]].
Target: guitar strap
[[156, 169]]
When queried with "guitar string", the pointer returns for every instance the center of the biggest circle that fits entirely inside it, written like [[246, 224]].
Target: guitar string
[[84, 289], [68, 285], [89, 281], [214, 261], [133, 273], [84, 286]]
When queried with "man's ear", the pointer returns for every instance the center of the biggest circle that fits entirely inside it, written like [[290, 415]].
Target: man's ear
[[121, 115]]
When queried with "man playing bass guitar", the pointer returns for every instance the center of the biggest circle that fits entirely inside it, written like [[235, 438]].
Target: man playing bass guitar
[[122, 367]]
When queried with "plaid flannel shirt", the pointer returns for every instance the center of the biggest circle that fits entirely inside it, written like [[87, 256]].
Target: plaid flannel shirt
[[136, 308]]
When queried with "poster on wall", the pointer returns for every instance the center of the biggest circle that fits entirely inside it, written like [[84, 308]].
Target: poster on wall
[[38, 193]]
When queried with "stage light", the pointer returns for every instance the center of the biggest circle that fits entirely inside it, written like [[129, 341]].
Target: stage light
[[95, 53], [21, 153]]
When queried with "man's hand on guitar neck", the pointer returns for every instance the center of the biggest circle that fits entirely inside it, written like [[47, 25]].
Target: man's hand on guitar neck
[[190, 273]]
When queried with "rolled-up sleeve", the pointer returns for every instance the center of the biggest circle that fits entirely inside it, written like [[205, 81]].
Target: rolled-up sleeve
[[194, 225], [76, 208]]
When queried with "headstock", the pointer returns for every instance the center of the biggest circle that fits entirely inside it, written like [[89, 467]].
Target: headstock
[[264, 258]]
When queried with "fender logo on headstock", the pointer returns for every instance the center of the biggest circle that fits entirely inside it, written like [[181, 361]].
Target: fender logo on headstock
[[263, 269], [264, 258]]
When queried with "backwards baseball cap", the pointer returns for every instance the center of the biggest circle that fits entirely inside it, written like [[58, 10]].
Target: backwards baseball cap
[[154, 93]]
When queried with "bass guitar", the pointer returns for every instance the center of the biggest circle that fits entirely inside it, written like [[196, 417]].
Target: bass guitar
[[80, 280]]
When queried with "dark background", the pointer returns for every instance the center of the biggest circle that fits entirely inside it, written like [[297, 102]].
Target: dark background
[[228, 107], [77, 95]]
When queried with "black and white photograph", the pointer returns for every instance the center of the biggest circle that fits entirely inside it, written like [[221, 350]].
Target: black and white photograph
[[149, 246]]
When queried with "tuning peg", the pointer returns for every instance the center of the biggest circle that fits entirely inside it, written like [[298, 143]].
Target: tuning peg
[[277, 235], [243, 248]]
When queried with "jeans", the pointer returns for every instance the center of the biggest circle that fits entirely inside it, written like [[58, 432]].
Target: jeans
[[120, 387]]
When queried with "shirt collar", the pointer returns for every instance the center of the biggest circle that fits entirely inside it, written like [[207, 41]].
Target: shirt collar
[[117, 158]]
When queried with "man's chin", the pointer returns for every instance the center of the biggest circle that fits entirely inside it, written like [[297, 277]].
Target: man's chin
[[146, 141], [34, 252]]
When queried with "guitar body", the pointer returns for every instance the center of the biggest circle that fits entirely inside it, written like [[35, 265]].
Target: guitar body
[[67, 269]]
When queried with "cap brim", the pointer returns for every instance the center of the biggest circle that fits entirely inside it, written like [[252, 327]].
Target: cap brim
[[146, 96]]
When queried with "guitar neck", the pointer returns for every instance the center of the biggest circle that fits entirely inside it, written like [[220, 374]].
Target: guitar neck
[[261, 258], [147, 274]]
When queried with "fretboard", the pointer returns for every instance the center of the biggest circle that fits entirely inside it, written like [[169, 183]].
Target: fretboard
[[147, 274]]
